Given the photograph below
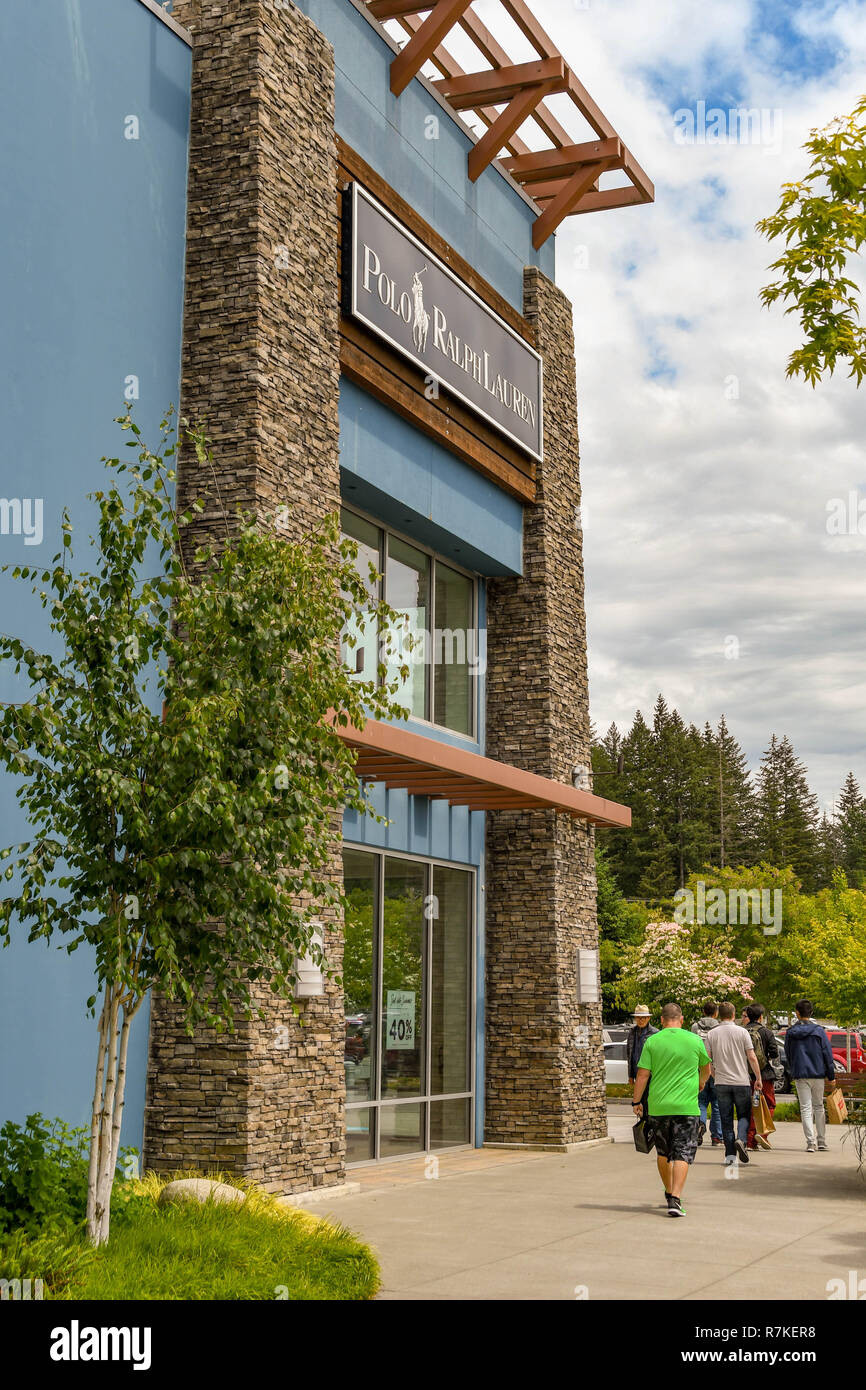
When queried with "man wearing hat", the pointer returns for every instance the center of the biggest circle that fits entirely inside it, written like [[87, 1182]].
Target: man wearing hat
[[640, 1030]]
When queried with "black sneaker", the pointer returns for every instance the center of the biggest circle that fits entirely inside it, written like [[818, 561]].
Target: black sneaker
[[675, 1207], [742, 1151]]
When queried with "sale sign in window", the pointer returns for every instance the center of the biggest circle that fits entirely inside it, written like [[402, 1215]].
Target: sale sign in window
[[400, 1018]]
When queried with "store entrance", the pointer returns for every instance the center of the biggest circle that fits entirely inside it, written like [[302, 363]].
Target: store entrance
[[407, 978]]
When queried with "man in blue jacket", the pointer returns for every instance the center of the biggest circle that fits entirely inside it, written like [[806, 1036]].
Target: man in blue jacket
[[810, 1063]]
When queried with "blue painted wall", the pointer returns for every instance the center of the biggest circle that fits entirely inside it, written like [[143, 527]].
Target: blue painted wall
[[91, 283], [410, 482], [488, 222]]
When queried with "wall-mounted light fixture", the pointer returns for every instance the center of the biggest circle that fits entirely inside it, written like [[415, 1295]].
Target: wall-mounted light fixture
[[581, 776], [309, 980], [588, 991]]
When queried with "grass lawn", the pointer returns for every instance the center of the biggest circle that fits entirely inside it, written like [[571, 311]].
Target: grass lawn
[[256, 1249], [189, 1251]]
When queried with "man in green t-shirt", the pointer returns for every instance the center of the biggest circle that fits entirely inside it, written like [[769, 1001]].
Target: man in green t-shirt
[[675, 1065]]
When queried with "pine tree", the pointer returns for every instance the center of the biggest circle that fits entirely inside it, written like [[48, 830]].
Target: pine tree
[[624, 771], [734, 801], [850, 825], [787, 813]]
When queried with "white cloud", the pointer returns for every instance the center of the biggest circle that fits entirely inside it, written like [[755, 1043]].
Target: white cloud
[[706, 487]]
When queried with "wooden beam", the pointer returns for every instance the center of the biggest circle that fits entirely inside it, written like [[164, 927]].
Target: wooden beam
[[495, 85], [609, 198], [394, 9], [521, 804], [543, 193], [449, 67], [530, 27], [560, 163], [638, 177], [565, 201], [411, 59], [515, 113], [497, 57]]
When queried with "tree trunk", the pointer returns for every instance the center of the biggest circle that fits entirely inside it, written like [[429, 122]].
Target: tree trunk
[[107, 1111], [92, 1230]]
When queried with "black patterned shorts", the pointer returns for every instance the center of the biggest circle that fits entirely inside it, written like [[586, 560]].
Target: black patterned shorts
[[676, 1136]]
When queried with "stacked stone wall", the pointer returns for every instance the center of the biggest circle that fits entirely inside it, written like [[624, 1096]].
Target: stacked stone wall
[[261, 372], [544, 1062]]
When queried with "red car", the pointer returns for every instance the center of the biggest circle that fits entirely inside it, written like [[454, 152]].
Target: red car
[[839, 1043]]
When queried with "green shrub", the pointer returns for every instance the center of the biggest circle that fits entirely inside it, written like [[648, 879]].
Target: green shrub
[[43, 1176], [59, 1261], [788, 1110]]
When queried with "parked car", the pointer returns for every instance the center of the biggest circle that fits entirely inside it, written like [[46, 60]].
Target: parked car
[[839, 1043], [615, 1064], [782, 1084], [615, 1032]]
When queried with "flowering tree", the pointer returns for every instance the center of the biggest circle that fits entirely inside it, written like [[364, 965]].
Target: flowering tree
[[665, 968]]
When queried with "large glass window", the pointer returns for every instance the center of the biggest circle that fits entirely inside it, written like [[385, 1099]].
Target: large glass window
[[360, 643], [407, 979], [403, 978], [407, 588], [450, 981], [454, 657], [437, 608]]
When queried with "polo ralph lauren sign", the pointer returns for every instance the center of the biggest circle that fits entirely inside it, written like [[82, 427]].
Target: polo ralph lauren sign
[[406, 295]]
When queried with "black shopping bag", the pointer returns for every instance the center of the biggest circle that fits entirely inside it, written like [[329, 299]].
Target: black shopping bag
[[643, 1136]]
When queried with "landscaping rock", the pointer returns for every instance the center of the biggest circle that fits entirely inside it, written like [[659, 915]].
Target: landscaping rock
[[199, 1190]]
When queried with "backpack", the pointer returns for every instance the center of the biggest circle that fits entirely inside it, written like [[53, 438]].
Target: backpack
[[758, 1045]]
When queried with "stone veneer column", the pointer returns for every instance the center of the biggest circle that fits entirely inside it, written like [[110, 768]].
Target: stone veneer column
[[544, 1066], [261, 370]]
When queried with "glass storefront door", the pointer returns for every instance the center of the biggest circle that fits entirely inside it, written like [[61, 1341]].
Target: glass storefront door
[[407, 976]]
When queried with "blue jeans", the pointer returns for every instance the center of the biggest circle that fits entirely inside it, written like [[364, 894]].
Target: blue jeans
[[708, 1097], [733, 1098]]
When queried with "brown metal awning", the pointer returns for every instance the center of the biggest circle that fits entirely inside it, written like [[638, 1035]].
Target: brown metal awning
[[506, 97], [425, 767]]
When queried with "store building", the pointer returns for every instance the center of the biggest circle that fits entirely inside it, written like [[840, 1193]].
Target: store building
[[371, 323]]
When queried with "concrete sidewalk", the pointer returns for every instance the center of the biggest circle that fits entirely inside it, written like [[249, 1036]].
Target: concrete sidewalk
[[500, 1224]]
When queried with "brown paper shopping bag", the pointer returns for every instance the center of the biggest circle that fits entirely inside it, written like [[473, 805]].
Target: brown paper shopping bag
[[764, 1117], [837, 1110]]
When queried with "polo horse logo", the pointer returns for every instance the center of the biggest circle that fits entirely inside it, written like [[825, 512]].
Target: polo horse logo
[[421, 321]]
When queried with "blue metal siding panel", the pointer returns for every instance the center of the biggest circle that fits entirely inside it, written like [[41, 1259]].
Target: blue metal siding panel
[[92, 292], [410, 482], [418, 826], [487, 222]]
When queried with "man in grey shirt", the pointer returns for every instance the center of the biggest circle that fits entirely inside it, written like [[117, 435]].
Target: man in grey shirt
[[733, 1058]]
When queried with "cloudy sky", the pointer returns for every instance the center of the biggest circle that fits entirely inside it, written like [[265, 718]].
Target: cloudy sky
[[710, 573]]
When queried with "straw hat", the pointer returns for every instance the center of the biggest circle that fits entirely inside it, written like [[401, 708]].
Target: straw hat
[[641, 1011]]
